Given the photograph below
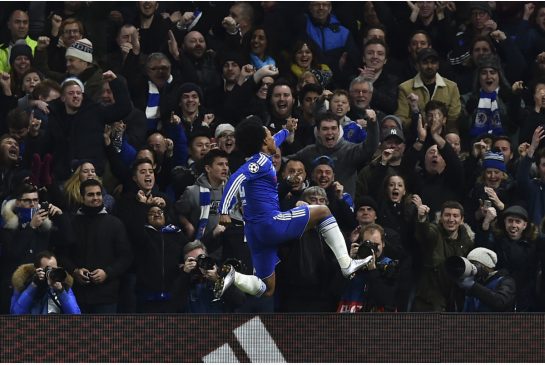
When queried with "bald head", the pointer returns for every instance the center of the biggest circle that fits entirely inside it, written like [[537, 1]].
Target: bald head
[[194, 44]]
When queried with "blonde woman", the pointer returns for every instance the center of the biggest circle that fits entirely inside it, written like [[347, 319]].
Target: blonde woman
[[84, 171]]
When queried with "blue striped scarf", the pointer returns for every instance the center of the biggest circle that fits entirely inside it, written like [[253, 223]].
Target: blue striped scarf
[[204, 199], [487, 119], [153, 113]]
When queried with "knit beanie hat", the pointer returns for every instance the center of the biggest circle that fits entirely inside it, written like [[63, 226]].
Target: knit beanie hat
[[494, 160], [20, 48], [82, 49], [368, 201], [484, 256], [395, 118], [188, 87], [76, 80], [489, 61], [481, 5], [224, 127], [232, 56]]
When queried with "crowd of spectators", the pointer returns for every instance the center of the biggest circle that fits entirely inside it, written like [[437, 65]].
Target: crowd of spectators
[[419, 124]]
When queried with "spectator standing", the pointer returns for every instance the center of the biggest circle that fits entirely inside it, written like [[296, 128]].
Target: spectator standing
[[98, 253]]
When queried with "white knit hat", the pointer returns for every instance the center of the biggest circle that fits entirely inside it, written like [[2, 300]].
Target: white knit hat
[[82, 49], [225, 127], [483, 255], [76, 80]]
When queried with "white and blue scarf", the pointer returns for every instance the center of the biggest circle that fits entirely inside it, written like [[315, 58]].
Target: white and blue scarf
[[153, 113], [204, 200], [487, 119]]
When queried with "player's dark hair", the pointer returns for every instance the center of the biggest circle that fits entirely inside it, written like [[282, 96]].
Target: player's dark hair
[[249, 135]]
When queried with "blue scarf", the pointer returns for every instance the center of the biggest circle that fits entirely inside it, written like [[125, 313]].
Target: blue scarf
[[204, 199], [487, 119], [153, 114], [25, 214], [258, 62]]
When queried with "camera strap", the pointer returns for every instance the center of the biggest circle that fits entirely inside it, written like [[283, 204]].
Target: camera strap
[[55, 300]]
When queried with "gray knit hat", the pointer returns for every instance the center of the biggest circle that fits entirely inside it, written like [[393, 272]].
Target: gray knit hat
[[484, 256]]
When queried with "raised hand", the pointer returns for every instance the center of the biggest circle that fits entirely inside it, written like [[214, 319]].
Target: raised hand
[[43, 43], [173, 46]]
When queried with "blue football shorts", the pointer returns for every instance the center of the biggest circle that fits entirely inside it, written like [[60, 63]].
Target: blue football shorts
[[265, 236]]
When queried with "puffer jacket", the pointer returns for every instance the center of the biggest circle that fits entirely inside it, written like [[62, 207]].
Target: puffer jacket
[[30, 299]]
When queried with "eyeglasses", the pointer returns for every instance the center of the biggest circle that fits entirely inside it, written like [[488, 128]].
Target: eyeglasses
[[71, 31], [227, 135], [156, 213], [29, 201]]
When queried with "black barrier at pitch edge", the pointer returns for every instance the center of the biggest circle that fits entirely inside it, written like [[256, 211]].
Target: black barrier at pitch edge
[[402, 337]]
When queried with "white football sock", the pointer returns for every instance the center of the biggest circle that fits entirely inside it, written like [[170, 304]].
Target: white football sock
[[329, 229], [250, 284]]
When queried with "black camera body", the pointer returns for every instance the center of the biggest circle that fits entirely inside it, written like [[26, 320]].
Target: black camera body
[[205, 262], [44, 205], [57, 274], [366, 249]]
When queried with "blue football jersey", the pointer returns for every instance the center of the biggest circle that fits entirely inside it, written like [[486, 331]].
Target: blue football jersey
[[255, 183]]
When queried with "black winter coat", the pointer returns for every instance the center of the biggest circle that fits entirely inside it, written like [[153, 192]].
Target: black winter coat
[[97, 241]]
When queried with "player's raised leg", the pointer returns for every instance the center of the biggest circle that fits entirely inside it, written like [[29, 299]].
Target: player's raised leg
[[325, 222], [249, 284]]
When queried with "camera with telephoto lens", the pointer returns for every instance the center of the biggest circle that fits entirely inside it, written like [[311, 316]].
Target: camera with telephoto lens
[[460, 268], [55, 274], [205, 262], [366, 249]]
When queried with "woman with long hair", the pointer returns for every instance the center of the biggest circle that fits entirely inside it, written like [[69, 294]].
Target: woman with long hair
[[84, 171], [304, 58], [258, 45]]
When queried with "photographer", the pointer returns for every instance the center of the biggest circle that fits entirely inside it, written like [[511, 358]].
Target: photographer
[[43, 288], [28, 227], [487, 290], [199, 274], [375, 289]]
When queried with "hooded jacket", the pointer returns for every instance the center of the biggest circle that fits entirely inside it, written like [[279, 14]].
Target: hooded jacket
[[349, 157], [189, 203], [30, 299]]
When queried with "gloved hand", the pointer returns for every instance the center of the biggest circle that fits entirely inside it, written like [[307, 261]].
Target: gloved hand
[[466, 283]]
